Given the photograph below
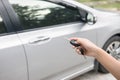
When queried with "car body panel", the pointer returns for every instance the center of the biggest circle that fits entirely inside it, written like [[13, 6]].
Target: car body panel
[[108, 29], [45, 58], [13, 65]]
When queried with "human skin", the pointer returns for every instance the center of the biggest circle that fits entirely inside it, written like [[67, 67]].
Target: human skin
[[90, 49]]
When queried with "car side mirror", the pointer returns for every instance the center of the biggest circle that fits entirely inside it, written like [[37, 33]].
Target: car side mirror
[[90, 18]]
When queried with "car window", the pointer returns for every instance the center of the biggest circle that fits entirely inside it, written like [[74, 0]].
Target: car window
[[2, 26], [39, 13]]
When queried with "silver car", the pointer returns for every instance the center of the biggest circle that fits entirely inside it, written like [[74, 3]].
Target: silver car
[[34, 33]]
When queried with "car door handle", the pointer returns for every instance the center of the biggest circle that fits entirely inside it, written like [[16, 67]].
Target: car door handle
[[39, 39]]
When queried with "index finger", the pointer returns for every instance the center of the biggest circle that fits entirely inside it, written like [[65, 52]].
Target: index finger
[[73, 38]]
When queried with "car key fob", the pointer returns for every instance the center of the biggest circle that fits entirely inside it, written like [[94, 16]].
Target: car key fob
[[74, 43]]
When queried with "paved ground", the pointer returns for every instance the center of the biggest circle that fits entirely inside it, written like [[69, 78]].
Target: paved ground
[[95, 76]]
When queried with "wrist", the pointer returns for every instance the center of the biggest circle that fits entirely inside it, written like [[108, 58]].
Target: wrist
[[98, 52]]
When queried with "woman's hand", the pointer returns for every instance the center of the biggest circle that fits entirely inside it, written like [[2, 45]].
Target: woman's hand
[[89, 48]]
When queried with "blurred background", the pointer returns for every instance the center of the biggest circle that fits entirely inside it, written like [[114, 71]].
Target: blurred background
[[111, 5]]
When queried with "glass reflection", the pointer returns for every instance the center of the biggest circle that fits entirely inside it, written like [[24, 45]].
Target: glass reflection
[[40, 13], [2, 26]]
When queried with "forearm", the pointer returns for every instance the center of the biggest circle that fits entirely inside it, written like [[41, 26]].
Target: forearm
[[110, 63]]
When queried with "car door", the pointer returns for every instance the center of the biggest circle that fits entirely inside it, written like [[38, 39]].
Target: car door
[[46, 29], [12, 57]]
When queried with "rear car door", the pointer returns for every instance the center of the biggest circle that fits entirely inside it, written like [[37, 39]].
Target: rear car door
[[12, 58], [46, 27]]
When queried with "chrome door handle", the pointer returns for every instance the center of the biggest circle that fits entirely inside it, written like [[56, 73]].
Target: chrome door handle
[[39, 39]]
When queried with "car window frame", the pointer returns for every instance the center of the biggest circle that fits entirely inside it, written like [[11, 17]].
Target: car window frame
[[12, 16], [46, 27], [6, 20]]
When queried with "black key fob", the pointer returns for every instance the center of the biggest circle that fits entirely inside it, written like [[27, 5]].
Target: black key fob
[[74, 43]]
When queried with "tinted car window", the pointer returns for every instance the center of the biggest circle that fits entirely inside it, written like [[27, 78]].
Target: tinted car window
[[39, 13], [2, 26]]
